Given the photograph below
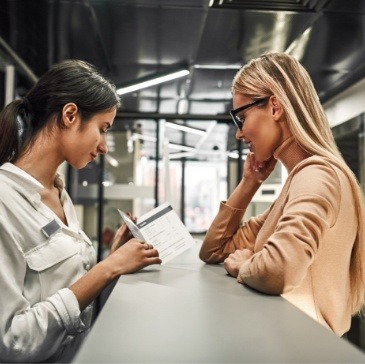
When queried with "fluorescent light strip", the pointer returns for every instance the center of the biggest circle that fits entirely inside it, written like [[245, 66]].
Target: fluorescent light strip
[[187, 129], [181, 147], [152, 82], [218, 66], [181, 155], [112, 161], [234, 153], [298, 47]]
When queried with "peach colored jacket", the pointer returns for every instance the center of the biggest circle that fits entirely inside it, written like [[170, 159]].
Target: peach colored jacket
[[302, 244]]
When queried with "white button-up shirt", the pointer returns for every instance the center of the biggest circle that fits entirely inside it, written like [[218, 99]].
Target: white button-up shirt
[[40, 257]]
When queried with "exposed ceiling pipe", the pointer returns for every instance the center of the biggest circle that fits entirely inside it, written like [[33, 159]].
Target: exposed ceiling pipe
[[97, 34], [19, 63], [197, 48]]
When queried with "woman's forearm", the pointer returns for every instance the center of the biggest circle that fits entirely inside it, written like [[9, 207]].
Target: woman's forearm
[[130, 257], [217, 244], [242, 195], [88, 287]]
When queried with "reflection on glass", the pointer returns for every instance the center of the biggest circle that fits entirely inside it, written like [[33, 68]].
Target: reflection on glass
[[205, 187]]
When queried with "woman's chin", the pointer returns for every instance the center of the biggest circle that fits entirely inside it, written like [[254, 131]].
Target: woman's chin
[[263, 159], [79, 165], [259, 159]]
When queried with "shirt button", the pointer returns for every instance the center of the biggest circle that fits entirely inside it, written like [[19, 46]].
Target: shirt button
[[87, 266]]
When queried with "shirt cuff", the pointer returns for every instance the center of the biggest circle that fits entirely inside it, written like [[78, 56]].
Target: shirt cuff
[[244, 272], [69, 312], [223, 205]]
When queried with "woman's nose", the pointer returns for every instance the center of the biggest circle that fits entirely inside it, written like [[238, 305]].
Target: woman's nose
[[103, 148], [239, 134]]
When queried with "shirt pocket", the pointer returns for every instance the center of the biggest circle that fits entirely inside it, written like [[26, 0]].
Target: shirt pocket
[[86, 238], [54, 265]]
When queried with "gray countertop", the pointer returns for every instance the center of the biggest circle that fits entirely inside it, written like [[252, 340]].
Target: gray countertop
[[189, 312]]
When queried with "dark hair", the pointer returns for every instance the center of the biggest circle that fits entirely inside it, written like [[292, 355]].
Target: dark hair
[[68, 81]]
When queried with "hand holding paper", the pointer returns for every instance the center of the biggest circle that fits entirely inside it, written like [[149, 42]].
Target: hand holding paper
[[131, 225], [162, 228]]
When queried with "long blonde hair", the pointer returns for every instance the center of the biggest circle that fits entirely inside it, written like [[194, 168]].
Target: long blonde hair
[[280, 74]]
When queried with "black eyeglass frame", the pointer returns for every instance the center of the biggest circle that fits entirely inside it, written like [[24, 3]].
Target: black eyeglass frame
[[233, 112]]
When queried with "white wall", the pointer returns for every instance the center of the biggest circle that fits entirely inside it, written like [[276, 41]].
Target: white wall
[[346, 105]]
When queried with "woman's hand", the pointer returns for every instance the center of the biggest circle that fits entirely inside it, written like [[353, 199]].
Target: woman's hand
[[132, 256], [233, 263], [122, 235], [258, 171]]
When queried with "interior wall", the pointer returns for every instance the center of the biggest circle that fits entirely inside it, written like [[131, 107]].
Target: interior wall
[[346, 105]]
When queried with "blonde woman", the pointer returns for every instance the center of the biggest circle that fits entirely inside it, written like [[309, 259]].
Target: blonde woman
[[309, 245]]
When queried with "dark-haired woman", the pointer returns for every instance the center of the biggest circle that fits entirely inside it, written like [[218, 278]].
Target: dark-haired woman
[[48, 275]]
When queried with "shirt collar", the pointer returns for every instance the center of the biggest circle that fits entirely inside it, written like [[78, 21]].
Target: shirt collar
[[27, 181]]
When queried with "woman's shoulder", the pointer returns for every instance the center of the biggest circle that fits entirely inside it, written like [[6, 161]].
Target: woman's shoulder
[[318, 175], [315, 160], [15, 180], [318, 166], [6, 185]]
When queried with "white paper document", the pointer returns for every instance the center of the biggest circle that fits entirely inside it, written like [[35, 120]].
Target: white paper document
[[162, 228], [131, 225]]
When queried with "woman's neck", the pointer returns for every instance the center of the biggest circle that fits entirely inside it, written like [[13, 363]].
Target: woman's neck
[[41, 162], [290, 153]]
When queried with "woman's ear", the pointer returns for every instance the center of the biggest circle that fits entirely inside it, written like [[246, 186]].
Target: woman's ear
[[276, 108], [69, 114]]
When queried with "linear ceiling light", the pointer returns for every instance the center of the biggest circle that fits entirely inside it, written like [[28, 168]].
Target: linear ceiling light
[[181, 155], [299, 46], [147, 138], [234, 153], [181, 147], [218, 66], [112, 161], [153, 80], [185, 128]]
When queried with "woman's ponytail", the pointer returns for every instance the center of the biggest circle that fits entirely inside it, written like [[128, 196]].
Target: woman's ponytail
[[9, 132]]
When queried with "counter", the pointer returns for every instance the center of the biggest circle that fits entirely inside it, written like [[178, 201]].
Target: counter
[[190, 312]]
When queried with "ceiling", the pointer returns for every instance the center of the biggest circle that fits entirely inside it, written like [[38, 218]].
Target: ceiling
[[131, 39]]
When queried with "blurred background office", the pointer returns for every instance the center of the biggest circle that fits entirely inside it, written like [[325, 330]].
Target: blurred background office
[[173, 138]]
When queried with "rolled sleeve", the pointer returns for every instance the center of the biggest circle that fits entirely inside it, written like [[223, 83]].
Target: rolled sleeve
[[67, 306]]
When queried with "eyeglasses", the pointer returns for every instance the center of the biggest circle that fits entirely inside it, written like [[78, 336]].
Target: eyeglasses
[[238, 121]]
